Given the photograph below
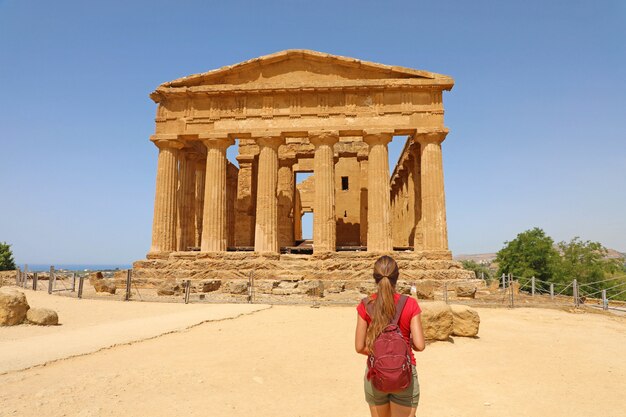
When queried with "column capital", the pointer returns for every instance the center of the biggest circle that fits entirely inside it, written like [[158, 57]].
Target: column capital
[[167, 141], [430, 136], [323, 137], [377, 136], [270, 141], [216, 142]]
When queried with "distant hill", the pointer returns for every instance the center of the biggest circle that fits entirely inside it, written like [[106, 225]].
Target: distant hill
[[487, 258]]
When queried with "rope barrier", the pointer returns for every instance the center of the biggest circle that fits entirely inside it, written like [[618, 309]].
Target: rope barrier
[[616, 295]]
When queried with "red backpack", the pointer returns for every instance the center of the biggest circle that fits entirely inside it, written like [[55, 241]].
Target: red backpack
[[389, 363]]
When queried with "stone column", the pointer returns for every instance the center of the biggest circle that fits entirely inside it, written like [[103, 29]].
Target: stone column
[[214, 236], [285, 192], [378, 192], [186, 203], [164, 221], [363, 198], [199, 199], [324, 219], [266, 227], [433, 223]]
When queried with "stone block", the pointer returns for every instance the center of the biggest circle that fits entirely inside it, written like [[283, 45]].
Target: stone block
[[210, 285], [465, 289], [13, 306], [170, 287], [424, 290], [102, 284], [42, 317], [437, 320], [466, 321], [235, 286], [312, 288]]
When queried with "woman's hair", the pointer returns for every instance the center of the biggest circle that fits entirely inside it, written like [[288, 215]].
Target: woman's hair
[[386, 275]]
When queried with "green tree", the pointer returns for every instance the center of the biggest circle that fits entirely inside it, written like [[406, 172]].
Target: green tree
[[6, 257], [479, 269], [586, 262], [531, 253]]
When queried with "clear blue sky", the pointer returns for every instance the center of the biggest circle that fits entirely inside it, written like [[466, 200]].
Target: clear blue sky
[[537, 116]]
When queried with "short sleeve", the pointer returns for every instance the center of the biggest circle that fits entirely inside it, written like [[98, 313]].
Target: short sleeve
[[362, 312], [414, 308]]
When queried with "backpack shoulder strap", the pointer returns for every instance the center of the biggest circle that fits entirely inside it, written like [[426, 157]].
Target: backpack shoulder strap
[[399, 308]]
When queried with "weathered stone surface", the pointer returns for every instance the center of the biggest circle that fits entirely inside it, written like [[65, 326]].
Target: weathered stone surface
[[235, 286], [465, 321], [313, 288], [465, 289], [424, 290], [210, 285], [42, 317], [265, 286], [102, 284], [437, 320], [13, 306], [170, 287]]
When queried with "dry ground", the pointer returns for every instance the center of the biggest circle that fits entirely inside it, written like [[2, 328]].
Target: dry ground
[[299, 361]]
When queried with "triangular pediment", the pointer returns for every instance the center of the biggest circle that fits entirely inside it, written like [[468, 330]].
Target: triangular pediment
[[294, 67]]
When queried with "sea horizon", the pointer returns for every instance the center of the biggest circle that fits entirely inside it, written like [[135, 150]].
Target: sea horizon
[[39, 267]]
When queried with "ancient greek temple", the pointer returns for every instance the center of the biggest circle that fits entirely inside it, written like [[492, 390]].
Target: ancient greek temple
[[299, 111]]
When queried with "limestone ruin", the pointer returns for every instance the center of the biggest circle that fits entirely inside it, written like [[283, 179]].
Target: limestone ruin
[[299, 111]]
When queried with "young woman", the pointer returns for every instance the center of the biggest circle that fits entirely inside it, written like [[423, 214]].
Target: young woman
[[382, 404]]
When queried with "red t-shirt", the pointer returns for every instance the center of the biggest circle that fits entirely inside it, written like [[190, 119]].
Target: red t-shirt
[[411, 309]]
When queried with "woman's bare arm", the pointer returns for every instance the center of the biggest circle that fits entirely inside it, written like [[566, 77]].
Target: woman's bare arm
[[417, 333], [359, 337]]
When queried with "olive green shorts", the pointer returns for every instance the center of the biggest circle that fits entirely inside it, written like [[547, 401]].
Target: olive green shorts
[[409, 397]]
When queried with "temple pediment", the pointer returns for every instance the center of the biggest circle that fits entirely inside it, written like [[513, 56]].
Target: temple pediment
[[291, 68]]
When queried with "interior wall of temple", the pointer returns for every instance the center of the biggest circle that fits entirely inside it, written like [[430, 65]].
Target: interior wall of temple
[[348, 201]]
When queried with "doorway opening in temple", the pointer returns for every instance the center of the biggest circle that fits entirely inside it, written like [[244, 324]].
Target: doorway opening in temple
[[303, 212]]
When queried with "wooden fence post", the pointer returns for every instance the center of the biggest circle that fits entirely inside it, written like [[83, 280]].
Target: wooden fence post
[[575, 292], [605, 301], [73, 281], [128, 281], [551, 291], [187, 290], [50, 278], [81, 279], [511, 288], [503, 282], [35, 279], [532, 286]]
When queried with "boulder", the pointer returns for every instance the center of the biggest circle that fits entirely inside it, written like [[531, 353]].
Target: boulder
[[465, 289], [335, 287], [465, 321], [424, 290], [437, 320], [210, 285], [265, 286], [170, 287], [236, 286], [102, 284], [13, 306], [313, 288], [42, 317]]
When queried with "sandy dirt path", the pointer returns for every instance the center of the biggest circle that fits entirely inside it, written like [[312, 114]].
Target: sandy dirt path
[[299, 361], [87, 326]]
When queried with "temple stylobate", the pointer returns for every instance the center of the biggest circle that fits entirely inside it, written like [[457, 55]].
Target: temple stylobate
[[292, 112]]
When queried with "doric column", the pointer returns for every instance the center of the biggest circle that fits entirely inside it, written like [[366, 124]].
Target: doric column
[[164, 221], [214, 237], [285, 191], [433, 222], [186, 194], [324, 219], [245, 204], [266, 227], [378, 192], [199, 200]]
